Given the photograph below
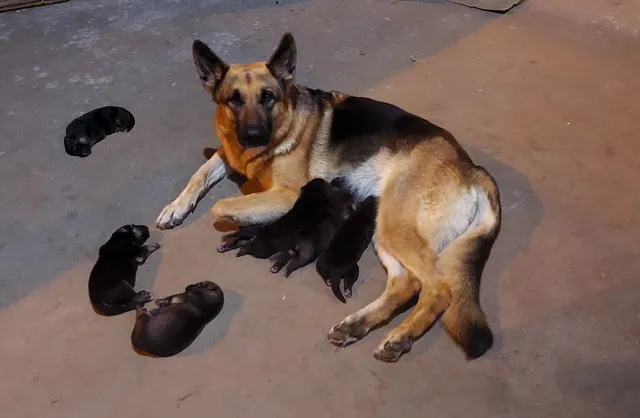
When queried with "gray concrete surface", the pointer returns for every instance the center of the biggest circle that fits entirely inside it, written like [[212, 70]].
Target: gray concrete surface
[[545, 97]]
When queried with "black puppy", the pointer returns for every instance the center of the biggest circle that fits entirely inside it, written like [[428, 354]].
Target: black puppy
[[340, 260], [315, 239], [114, 274], [265, 240], [92, 127], [177, 321]]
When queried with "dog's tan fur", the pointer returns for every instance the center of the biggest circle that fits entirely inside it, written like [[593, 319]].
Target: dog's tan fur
[[438, 217]]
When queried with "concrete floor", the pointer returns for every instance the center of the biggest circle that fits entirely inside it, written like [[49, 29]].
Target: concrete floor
[[546, 97]]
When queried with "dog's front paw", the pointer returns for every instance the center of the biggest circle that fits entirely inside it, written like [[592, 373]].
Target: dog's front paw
[[174, 214]]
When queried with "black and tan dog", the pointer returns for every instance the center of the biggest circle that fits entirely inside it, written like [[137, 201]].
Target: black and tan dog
[[438, 215], [177, 320], [339, 263], [113, 276], [87, 130]]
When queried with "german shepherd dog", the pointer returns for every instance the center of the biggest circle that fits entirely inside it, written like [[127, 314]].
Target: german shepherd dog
[[438, 217]]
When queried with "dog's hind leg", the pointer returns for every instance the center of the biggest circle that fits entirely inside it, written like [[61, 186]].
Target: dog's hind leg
[[123, 298], [210, 173], [401, 286], [145, 252]]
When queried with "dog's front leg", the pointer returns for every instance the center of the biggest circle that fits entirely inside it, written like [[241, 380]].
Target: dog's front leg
[[210, 173], [256, 208]]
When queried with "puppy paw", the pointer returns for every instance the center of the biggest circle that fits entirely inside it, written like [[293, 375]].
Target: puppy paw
[[174, 214], [348, 292], [233, 244], [143, 297]]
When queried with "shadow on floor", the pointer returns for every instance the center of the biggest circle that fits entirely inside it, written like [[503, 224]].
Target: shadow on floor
[[217, 329]]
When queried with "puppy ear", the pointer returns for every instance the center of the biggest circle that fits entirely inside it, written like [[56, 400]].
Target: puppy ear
[[282, 63], [210, 67]]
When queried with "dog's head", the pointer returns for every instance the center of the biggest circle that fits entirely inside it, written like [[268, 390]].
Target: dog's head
[[254, 98], [124, 121], [77, 145], [206, 294], [138, 234]]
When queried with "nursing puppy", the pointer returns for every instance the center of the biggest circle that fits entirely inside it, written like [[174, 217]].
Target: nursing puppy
[[314, 239], [177, 320], [340, 260], [92, 127], [113, 276], [263, 241]]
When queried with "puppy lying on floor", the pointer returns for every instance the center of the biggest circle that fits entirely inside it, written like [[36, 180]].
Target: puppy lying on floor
[[265, 240], [340, 261], [177, 320], [315, 238], [87, 130], [113, 276]]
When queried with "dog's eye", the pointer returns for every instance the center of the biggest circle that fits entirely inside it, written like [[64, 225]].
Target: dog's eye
[[235, 99], [267, 98]]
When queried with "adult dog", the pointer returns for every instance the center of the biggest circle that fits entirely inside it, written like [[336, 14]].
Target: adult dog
[[439, 214]]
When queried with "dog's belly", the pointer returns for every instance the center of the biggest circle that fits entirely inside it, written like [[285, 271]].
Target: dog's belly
[[366, 179]]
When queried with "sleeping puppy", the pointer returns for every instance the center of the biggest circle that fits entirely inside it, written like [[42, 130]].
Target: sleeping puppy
[[314, 239], [340, 261], [265, 240], [92, 127], [177, 320], [113, 276]]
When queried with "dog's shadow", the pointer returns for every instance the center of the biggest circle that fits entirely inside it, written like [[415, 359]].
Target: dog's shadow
[[216, 330]]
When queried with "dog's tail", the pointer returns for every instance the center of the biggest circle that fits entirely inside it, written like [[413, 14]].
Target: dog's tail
[[465, 258]]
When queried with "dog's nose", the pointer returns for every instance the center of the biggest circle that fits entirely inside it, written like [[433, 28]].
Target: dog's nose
[[255, 134]]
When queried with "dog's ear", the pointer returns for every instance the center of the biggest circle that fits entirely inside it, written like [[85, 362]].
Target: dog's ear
[[210, 67], [282, 63]]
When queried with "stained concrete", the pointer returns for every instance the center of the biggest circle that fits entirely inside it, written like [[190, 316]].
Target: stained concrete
[[545, 97]]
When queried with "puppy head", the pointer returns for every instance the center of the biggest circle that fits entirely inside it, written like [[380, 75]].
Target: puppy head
[[316, 187], [340, 200], [137, 234], [124, 121], [77, 145], [205, 293]]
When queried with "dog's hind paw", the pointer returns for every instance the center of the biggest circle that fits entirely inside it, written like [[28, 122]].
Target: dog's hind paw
[[143, 297], [347, 332], [391, 351]]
